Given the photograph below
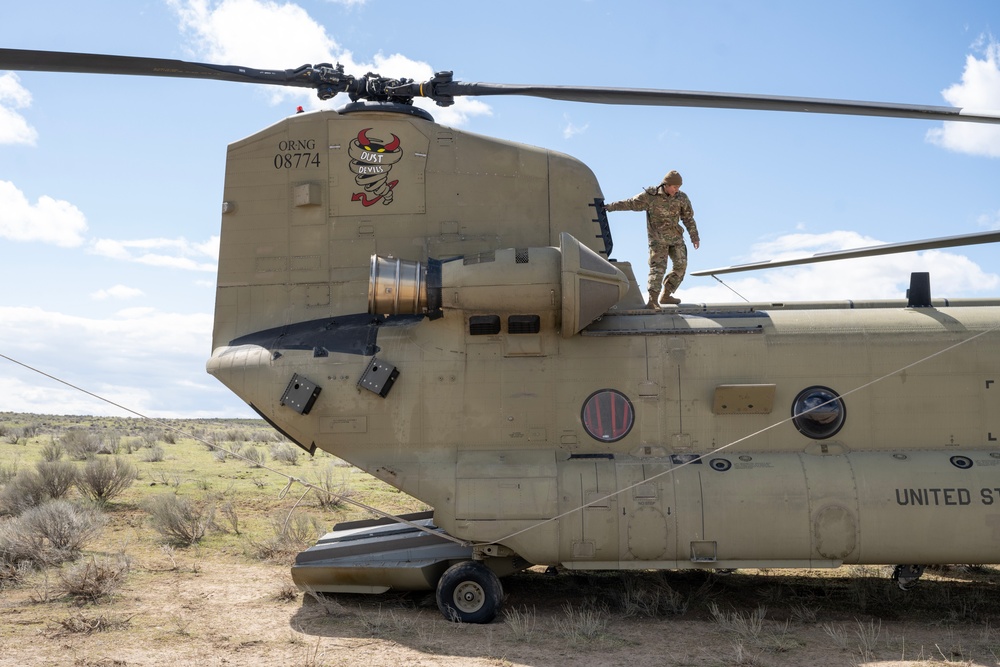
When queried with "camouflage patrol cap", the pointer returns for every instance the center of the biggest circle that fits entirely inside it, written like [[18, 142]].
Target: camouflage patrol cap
[[672, 178]]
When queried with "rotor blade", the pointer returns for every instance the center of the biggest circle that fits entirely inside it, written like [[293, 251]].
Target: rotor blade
[[89, 63], [442, 89], [871, 251], [682, 98]]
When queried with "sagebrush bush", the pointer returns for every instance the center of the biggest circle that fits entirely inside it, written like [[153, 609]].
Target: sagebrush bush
[[235, 435], [285, 453], [131, 444], [52, 451], [292, 532], [24, 491], [94, 579], [57, 477], [80, 444], [51, 533], [65, 525], [13, 574], [49, 480], [110, 443], [330, 487], [180, 520], [228, 511], [8, 472], [154, 454], [105, 478], [254, 456]]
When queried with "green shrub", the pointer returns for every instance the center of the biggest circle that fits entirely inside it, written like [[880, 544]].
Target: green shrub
[[178, 519], [80, 444], [57, 477], [254, 456], [31, 488], [285, 453], [105, 478], [154, 454], [52, 451]]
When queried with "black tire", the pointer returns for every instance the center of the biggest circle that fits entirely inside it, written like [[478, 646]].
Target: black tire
[[469, 592]]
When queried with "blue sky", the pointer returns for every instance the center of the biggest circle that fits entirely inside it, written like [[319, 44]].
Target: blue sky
[[110, 186]]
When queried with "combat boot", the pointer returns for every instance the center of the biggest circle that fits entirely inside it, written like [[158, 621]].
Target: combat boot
[[652, 304], [667, 298]]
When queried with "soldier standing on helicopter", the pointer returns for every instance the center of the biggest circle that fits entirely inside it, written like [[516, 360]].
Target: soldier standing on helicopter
[[666, 207]]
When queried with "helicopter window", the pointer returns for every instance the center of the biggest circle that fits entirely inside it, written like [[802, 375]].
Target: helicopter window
[[484, 325], [524, 324], [607, 415], [818, 412]]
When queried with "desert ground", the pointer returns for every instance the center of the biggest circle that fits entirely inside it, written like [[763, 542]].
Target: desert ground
[[216, 589]]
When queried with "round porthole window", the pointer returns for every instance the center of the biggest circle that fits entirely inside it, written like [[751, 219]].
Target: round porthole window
[[607, 415], [818, 412]]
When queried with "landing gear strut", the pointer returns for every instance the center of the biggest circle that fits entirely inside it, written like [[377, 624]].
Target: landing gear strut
[[906, 576], [469, 592]]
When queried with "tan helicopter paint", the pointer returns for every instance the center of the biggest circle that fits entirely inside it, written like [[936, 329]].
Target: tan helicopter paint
[[488, 428]]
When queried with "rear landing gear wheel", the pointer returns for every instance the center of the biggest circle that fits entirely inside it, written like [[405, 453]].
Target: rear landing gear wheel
[[469, 592], [906, 576]]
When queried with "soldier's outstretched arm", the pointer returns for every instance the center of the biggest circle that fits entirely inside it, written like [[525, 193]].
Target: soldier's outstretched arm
[[637, 203]]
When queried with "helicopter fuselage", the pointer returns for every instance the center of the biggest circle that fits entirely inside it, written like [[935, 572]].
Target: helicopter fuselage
[[528, 399]]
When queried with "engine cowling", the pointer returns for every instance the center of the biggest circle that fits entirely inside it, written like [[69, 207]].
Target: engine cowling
[[572, 281]]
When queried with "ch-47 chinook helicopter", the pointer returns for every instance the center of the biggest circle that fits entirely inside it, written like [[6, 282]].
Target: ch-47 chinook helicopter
[[441, 310]]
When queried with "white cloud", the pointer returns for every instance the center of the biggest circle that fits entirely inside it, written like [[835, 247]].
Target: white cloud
[[116, 292], [790, 246], [14, 129], [169, 253], [141, 358], [49, 220], [990, 220], [241, 32], [979, 89], [131, 335], [570, 130], [884, 277]]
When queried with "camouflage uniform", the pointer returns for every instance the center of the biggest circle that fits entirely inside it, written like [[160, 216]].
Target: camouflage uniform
[[664, 215]]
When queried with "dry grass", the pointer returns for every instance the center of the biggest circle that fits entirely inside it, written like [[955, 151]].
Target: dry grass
[[521, 623], [582, 625], [85, 624]]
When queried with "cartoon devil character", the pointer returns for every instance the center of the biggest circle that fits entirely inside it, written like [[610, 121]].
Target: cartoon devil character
[[371, 162]]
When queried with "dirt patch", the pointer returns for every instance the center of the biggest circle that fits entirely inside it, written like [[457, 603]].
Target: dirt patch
[[205, 609]]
